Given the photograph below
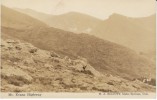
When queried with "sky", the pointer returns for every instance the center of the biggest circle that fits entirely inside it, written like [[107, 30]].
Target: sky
[[98, 8]]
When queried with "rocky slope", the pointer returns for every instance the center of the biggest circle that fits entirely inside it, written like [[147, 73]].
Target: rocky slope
[[26, 68], [104, 56]]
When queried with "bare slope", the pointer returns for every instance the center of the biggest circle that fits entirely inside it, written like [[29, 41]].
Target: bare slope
[[104, 56]]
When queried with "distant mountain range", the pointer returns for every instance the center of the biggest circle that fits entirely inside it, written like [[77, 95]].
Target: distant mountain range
[[73, 21], [106, 57], [135, 33]]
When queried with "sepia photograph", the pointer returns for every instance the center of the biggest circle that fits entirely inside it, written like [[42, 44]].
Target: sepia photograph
[[78, 48]]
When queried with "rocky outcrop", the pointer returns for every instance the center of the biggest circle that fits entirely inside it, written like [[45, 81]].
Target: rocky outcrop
[[26, 68], [82, 66]]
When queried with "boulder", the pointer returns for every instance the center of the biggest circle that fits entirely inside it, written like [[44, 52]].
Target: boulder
[[53, 54], [33, 50]]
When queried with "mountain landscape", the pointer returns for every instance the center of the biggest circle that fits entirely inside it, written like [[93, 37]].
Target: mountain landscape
[[103, 59], [135, 33]]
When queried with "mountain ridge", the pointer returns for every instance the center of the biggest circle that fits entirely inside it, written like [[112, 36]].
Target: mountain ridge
[[30, 23]]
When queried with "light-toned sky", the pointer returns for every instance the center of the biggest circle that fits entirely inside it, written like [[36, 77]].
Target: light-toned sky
[[97, 8]]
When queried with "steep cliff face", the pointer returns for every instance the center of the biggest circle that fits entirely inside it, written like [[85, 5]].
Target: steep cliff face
[[27, 68]]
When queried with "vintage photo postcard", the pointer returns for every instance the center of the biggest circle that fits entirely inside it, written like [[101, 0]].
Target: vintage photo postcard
[[78, 49]]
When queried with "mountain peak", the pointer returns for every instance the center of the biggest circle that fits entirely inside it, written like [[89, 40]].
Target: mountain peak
[[116, 15], [78, 14]]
